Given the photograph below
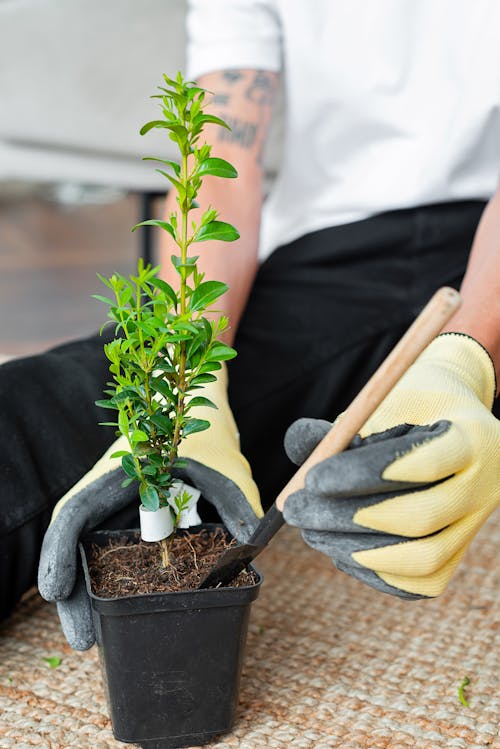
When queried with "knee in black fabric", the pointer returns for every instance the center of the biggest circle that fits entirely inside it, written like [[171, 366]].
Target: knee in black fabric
[[49, 437], [19, 554]]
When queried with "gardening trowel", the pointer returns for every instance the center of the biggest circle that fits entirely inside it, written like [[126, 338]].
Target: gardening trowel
[[428, 324]]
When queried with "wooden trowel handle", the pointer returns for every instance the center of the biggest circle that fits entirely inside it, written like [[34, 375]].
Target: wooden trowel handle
[[427, 325]]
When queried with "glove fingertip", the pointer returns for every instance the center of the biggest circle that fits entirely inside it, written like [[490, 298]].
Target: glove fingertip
[[292, 509], [75, 615], [55, 579], [302, 436]]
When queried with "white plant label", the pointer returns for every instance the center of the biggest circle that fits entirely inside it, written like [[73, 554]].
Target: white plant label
[[158, 524]]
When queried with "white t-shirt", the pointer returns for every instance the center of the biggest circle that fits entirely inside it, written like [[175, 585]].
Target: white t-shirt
[[390, 103]]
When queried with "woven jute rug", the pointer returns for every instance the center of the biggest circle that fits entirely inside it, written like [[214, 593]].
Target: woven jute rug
[[329, 663]]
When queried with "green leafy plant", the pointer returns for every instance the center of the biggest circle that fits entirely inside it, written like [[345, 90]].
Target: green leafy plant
[[165, 349], [53, 662], [461, 688]]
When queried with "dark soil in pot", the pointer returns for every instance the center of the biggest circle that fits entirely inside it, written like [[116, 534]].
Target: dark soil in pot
[[171, 660], [129, 566]]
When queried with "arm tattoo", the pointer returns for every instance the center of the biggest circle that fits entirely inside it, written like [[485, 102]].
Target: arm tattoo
[[261, 89], [233, 75], [221, 99], [244, 133]]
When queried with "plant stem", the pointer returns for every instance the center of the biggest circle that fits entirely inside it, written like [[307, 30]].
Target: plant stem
[[183, 245], [165, 556], [181, 385]]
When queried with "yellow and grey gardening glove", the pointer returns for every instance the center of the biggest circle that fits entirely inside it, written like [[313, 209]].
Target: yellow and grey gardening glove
[[214, 465], [398, 509]]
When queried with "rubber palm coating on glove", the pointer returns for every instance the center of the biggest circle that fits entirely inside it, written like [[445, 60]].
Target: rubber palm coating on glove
[[399, 508], [331, 527]]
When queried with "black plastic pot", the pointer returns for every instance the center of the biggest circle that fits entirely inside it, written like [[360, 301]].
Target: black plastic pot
[[171, 662]]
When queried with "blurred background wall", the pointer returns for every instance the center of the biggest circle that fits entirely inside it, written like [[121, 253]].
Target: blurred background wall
[[75, 77], [75, 81]]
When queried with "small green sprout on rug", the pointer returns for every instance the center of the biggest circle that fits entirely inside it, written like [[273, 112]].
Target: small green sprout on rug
[[461, 696], [53, 662]]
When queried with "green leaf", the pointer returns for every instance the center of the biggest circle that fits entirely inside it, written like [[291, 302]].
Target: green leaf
[[175, 182], [206, 293], [163, 478], [163, 423], [181, 325], [201, 379], [150, 125], [125, 395], [106, 404], [165, 366], [221, 352], [189, 265], [156, 222], [193, 90], [178, 129], [181, 501], [220, 230], [53, 662], [202, 119], [128, 466], [127, 482], [149, 498], [178, 337], [104, 299], [123, 422], [217, 168], [169, 81], [105, 281], [194, 425], [175, 166], [209, 215], [160, 386], [119, 454], [461, 695], [194, 345], [210, 366], [179, 463], [177, 260], [166, 288], [155, 459], [200, 400], [139, 436]]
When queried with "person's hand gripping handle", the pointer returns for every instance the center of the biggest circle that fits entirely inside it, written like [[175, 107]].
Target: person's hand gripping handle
[[399, 507], [424, 329]]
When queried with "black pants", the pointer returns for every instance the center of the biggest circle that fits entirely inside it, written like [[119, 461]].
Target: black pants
[[324, 312]]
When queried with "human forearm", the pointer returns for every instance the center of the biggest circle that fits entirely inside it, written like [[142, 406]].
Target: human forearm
[[479, 315], [234, 264], [243, 99]]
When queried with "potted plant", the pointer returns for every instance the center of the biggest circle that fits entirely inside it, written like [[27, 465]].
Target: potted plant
[[171, 660]]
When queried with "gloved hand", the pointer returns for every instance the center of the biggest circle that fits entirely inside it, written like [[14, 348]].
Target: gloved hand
[[398, 509], [215, 466]]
